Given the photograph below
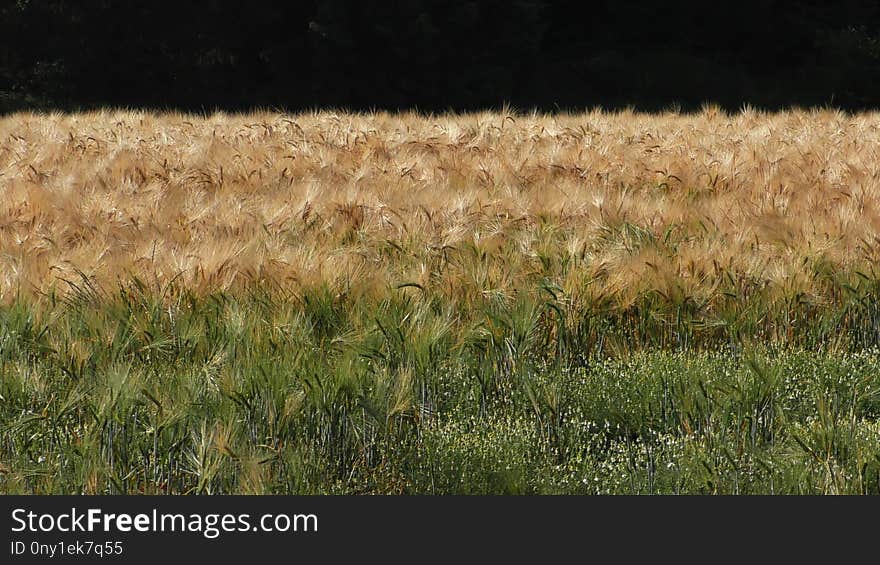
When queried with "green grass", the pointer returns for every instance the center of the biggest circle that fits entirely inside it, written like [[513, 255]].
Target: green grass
[[147, 390]]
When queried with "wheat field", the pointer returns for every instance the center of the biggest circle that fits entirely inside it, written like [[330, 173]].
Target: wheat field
[[622, 203], [328, 302]]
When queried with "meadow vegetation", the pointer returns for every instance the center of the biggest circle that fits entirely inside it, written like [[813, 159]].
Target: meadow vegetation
[[403, 303]]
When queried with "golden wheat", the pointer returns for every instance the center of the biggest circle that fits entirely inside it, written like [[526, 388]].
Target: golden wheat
[[614, 204]]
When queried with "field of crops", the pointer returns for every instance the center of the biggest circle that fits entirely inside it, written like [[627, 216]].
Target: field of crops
[[485, 303]]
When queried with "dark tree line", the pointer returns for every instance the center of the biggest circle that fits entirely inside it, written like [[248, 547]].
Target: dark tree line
[[437, 54]]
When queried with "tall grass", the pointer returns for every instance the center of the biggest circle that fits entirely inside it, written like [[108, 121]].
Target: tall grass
[[321, 393], [502, 303], [694, 210]]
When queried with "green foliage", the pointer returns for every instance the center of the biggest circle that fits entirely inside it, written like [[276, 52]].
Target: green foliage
[[157, 391]]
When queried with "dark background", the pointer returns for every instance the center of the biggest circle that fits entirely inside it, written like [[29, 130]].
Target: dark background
[[493, 529], [437, 54]]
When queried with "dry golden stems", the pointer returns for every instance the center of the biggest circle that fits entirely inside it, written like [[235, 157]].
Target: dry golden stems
[[620, 202]]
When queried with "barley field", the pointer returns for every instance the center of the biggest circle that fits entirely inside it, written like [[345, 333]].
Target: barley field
[[607, 302]]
